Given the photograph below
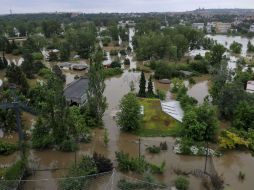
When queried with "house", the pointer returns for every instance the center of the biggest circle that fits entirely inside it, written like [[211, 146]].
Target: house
[[252, 28], [222, 27], [250, 86], [76, 92], [199, 26]]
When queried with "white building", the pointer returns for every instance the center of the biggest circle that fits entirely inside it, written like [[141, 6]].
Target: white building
[[250, 86], [199, 26], [252, 28]]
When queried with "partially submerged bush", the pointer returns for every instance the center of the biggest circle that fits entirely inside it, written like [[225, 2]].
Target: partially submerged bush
[[7, 148], [182, 183], [153, 149]]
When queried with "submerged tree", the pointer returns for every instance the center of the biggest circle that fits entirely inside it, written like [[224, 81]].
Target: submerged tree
[[96, 101], [142, 85]]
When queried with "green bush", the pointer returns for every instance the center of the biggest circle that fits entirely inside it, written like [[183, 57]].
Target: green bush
[[37, 56], [153, 149], [7, 148], [16, 52], [68, 145], [115, 64], [181, 183], [113, 52], [137, 164], [15, 171], [110, 72], [103, 164], [161, 94], [127, 61]]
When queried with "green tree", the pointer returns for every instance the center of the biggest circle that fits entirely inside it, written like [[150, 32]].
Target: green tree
[[96, 101], [200, 123], [236, 47], [142, 85], [15, 75], [128, 119], [250, 47], [243, 116], [217, 52], [150, 88]]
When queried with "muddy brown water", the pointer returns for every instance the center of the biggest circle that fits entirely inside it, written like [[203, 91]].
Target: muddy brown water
[[228, 165]]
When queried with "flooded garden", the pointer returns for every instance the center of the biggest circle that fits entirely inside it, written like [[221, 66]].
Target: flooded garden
[[227, 166]]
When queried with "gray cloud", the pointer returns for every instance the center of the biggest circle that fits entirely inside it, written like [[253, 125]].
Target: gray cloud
[[24, 6]]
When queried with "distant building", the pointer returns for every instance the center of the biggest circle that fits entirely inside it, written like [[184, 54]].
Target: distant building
[[222, 27], [199, 26], [76, 92], [252, 28], [250, 86], [210, 26]]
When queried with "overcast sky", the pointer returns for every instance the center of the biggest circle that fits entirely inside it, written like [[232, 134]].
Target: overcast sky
[[29, 6]]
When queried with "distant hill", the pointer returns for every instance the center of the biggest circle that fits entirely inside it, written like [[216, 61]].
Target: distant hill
[[225, 11]]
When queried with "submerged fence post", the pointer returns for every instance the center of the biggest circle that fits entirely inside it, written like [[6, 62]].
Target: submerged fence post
[[139, 149]]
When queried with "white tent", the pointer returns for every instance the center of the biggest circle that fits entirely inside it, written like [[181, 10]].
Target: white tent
[[173, 108]]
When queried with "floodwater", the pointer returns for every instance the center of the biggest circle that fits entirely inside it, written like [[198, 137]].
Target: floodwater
[[16, 59], [228, 165], [228, 40]]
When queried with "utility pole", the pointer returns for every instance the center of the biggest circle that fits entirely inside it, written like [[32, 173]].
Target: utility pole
[[17, 106]]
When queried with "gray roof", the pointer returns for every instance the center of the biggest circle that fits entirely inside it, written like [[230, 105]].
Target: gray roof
[[186, 73], [76, 90]]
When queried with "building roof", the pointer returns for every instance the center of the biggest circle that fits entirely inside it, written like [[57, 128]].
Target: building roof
[[76, 90], [1, 83], [79, 66], [173, 108], [250, 86]]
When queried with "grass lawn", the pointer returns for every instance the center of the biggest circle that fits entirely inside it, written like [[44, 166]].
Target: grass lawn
[[155, 122]]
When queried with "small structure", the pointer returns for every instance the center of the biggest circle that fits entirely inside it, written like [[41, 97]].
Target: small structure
[[76, 92], [79, 66], [252, 28], [1, 84], [173, 108], [64, 65], [164, 81], [186, 73], [199, 26], [250, 86]]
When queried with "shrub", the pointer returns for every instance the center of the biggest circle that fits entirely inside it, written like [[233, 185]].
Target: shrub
[[123, 52], [16, 52], [15, 171], [139, 164], [161, 94], [103, 164], [68, 145], [181, 183], [113, 52], [241, 175], [153, 149], [37, 56], [7, 148], [110, 72], [127, 61], [115, 64]]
